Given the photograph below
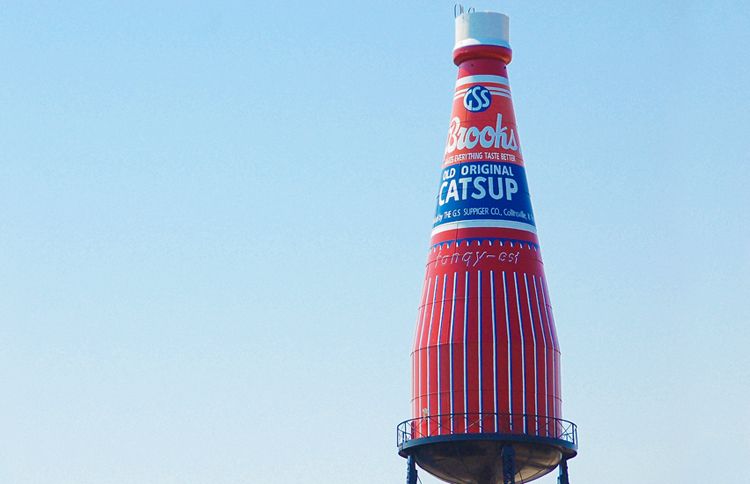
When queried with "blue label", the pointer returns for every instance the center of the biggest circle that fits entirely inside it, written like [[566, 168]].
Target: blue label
[[477, 99], [484, 191]]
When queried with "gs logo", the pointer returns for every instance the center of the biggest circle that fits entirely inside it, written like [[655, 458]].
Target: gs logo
[[477, 99]]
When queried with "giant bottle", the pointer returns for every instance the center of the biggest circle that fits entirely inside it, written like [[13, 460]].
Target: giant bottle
[[486, 391]]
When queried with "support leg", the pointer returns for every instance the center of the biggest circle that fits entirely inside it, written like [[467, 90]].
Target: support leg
[[563, 476], [411, 470], [509, 465]]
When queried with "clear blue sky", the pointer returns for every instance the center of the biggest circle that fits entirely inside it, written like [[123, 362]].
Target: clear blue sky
[[214, 218]]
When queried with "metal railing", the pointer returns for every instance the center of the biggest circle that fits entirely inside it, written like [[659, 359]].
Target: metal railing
[[487, 423]]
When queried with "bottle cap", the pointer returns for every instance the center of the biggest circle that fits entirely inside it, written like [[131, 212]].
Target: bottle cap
[[482, 28]]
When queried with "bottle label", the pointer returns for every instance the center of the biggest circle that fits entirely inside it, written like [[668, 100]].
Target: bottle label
[[483, 181], [491, 194]]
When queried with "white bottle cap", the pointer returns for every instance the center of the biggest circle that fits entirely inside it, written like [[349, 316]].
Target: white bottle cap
[[482, 28]]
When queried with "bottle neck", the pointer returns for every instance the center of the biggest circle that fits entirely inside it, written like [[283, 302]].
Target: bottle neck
[[482, 60], [483, 186], [482, 52], [483, 124]]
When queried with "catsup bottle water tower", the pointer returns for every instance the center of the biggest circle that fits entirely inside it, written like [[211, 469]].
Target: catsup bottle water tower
[[486, 390]]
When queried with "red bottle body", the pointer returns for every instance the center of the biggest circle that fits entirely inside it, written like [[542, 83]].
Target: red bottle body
[[486, 357]]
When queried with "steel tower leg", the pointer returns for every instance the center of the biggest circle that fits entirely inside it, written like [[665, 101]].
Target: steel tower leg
[[563, 476], [411, 470], [509, 465]]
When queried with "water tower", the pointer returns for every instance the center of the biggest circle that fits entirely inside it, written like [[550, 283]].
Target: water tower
[[486, 390]]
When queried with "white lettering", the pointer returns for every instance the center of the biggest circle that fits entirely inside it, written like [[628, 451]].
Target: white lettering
[[460, 137]]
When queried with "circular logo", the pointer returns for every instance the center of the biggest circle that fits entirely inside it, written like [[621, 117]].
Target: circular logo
[[477, 99]]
